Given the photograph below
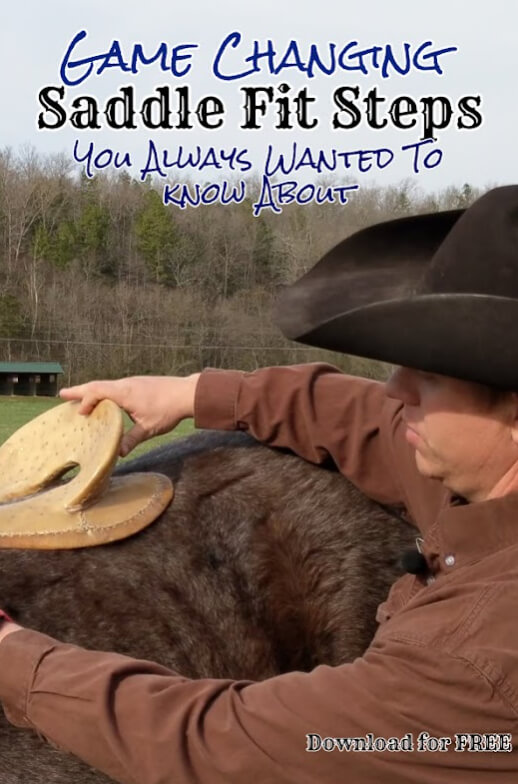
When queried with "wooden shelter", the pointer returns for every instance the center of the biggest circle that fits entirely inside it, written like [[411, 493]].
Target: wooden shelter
[[29, 378]]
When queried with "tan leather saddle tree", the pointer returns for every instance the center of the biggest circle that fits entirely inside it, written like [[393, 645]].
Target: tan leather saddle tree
[[40, 512]]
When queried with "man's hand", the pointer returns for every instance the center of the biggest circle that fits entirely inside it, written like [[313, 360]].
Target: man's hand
[[156, 404], [8, 628]]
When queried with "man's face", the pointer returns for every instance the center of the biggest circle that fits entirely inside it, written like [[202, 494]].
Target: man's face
[[463, 433]]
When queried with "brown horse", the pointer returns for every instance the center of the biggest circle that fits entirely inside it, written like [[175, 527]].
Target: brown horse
[[262, 564]]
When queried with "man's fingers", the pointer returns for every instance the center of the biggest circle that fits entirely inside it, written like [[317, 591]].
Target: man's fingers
[[91, 393], [89, 402], [73, 393], [131, 439]]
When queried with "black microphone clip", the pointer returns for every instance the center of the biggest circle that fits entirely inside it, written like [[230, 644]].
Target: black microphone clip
[[414, 562]]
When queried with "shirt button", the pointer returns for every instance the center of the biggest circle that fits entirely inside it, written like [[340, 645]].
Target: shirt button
[[449, 560]]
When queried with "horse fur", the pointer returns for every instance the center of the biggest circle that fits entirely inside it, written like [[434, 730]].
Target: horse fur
[[262, 564]]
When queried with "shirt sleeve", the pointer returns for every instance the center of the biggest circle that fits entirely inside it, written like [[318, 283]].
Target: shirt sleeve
[[316, 411], [140, 723]]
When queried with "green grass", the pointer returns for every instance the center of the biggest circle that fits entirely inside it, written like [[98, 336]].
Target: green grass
[[16, 411]]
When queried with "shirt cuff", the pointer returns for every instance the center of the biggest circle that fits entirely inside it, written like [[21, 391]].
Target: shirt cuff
[[20, 655], [215, 399]]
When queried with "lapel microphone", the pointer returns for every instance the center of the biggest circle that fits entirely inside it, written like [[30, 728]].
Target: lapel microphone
[[414, 562]]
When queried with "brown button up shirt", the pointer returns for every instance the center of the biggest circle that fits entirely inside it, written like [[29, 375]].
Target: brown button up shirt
[[443, 664]]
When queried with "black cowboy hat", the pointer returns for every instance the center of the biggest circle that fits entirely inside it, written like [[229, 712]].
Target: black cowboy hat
[[436, 292]]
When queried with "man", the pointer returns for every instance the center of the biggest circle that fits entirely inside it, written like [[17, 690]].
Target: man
[[440, 679]]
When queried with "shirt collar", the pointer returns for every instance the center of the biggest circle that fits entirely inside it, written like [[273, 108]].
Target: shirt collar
[[467, 532]]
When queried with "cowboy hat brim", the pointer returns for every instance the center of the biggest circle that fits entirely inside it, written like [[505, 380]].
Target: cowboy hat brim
[[435, 292], [450, 334]]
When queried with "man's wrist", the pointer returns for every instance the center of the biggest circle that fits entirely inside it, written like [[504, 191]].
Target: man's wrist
[[191, 383], [7, 625]]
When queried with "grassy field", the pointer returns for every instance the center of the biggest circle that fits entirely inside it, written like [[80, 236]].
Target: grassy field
[[16, 411]]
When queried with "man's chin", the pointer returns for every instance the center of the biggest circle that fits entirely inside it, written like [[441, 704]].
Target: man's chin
[[426, 467]]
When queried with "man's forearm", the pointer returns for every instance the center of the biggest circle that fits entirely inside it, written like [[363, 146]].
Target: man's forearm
[[314, 410]]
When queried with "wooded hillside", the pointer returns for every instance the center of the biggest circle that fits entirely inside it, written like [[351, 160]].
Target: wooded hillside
[[102, 277]]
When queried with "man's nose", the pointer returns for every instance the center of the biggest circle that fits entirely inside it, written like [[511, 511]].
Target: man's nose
[[402, 386]]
